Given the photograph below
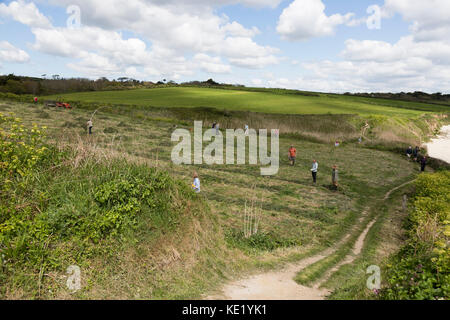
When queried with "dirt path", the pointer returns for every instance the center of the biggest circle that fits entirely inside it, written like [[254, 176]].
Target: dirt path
[[357, 249], [275, 285], [396, 188], [280, 285]]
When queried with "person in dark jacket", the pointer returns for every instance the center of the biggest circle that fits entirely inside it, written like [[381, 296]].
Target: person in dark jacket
[[416, 152], [423, 163], [409, 152]]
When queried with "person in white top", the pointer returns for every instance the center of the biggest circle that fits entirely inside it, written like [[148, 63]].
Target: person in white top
[[217, 129], [315, 167], [89, 124], [246, 129], [196, 183]]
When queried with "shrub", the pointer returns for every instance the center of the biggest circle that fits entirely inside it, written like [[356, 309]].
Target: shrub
[[21, 149], [421, 270]]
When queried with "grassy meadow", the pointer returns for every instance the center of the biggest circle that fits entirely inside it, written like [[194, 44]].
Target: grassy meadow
[[264, 101], [194, 252]]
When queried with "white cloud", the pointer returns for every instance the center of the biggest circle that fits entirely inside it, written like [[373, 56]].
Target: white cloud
[[431, 18], [100, 52], [211, 64], [419, 61], [26, 13], [185, 26], [407, 74], [174, 29], [254, 62], [257, 82], [437, 52], [9, 53], [304, 19], [237, 30]]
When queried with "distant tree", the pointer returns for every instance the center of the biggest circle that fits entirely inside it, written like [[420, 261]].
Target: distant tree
[[212, 82], [14, 86]]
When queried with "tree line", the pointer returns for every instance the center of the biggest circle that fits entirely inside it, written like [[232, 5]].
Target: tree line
[[417, 96], [58, 85], [43, 86]]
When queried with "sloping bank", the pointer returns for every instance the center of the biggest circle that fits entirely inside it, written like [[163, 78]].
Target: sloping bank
[[133, 231]]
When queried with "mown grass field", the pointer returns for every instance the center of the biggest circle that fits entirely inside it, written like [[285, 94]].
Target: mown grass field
[[298, 218], [266, 102]]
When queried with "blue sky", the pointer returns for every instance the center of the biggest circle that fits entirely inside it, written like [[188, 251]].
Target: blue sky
[[320, 45]]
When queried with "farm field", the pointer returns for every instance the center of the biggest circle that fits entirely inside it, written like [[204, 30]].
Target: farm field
[[241, 100], [198, 253]]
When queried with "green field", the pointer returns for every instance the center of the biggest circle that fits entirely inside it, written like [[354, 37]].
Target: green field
[[242, 100]]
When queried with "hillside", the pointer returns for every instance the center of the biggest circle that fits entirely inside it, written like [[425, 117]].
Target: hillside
[[265, 101], [195, 245]]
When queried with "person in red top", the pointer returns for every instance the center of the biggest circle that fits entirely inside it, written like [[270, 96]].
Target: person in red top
[[292, 155]]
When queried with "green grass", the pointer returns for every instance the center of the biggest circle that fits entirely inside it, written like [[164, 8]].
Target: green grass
[[266, 102], [377, 211], [384, 238], [298, 218]]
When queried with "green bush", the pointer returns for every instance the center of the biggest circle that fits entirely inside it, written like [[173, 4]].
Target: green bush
[[421, 270], [21, 150]]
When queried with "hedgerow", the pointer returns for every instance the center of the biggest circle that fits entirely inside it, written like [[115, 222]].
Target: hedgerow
[[421, 270]]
